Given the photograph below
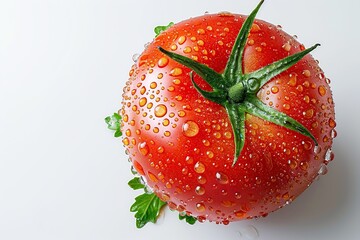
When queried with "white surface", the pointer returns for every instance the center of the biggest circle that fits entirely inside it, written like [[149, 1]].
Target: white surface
[[62, 68]]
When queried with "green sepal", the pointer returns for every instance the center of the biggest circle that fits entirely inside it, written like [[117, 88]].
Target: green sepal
[[114, 123], [237, 119], [257, 108], [215, 96], [214, 79], [136, 183], [147, 209], [189, 219], [234, 64], [160, 29], [268, 72]]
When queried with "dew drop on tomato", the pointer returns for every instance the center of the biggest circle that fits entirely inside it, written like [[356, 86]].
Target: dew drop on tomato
[[329, 155], [199, 190], [199, 167], [143, 148], [190, 129], [200, 207], [163, 62], [222, 178], [160, 110]]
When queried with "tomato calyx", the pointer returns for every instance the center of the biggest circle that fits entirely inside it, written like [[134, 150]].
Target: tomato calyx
[[236, 91]]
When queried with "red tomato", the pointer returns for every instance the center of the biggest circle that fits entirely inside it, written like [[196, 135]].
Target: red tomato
[[183, 143]]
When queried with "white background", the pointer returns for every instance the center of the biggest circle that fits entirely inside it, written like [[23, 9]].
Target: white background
[[63, 64]]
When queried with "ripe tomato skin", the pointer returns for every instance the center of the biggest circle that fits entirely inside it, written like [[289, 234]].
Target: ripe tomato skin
[[183, 144]]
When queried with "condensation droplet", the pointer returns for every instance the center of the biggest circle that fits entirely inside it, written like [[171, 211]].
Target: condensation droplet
[[322, 90], [135, 57], [200, 207], [222, 178], [160, 110], [199, 167], [317, 149], [329, 155], [190, 129], [323, 170], [199, 190], [143, 148], [333, 133], [163, 62], [181, 39], [309, 113], [287, 47], [176, 72], [142, 101]]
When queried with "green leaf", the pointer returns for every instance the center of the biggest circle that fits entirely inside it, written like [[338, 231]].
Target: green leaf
[[160, 29], [234, 64], [189, 219], [114, 123], [136, 184], [147, 209]]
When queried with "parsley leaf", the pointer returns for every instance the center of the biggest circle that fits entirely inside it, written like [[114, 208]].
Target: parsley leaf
[[114, 123], [189, 219], [160, 29], [147, 209], [136, 184]]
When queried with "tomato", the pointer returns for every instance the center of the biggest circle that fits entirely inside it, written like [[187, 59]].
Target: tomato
[[183, 143]]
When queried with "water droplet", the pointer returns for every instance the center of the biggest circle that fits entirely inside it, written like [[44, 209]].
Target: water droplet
[[200, 207], [143, 148], [317, 149], [222, 178], [210, 154], [152, 177], [333, 133], [160, 110], [292, 163], [322, 90], [275, 89], [142, 101], [309, 113], [190, 129], [287, 47], [253, 84], [181, 39], [227, 135], [329, 155], [201, 179], [160, 149], [133, 171], [323, 170], [249, 232], [332, 123], [255, 28], [200, 190], [135, 57], [293, 80], [199, 167], [163, 62], [176, 72], [181, 113], [187, 49], [306, 73]]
